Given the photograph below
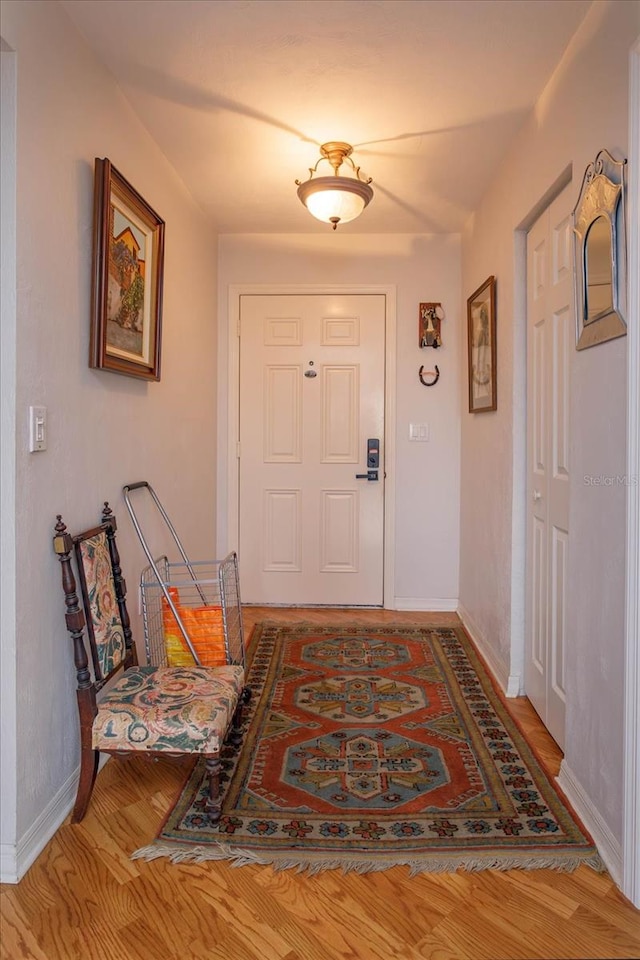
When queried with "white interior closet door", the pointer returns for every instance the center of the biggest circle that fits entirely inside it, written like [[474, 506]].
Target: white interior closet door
[[550, 342]]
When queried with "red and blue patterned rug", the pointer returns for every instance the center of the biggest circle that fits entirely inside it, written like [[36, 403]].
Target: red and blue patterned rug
[[366, 748]]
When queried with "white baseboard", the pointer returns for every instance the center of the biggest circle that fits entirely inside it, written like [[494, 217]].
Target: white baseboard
[[510, 684], [15, 859], [420, 604], [8, 863], [609, 848]]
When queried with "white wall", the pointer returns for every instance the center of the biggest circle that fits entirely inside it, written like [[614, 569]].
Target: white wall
[[104, 429], [423, 268], [583, 109]]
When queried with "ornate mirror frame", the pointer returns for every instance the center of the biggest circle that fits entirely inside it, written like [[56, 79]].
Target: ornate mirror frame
[[599, 234]]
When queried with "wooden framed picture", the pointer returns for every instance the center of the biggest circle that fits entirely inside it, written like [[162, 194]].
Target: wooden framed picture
[[481, 322], [128, 259], [430, 318]]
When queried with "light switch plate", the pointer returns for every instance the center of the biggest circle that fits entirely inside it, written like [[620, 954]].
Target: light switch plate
[[37, 429], [419, 432]]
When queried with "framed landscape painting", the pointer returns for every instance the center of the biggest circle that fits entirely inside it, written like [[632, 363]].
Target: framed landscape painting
[[481, 322], [128, 257]]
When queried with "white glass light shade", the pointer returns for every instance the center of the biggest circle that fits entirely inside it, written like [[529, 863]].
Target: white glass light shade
[[335, 199]]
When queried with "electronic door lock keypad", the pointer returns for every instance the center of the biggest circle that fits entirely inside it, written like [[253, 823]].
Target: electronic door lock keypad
[[373, 460]]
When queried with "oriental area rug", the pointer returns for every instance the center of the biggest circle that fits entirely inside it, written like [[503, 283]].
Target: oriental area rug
[[370, 747]]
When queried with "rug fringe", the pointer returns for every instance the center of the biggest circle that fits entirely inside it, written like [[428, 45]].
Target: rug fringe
[[242, 858], [179, 854]]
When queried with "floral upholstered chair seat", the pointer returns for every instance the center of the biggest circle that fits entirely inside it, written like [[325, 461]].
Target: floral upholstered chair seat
[[185, 709]]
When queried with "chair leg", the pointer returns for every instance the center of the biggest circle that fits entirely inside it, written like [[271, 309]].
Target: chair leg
[[214, 801], [235, 733], [214, 766], [88, 770]]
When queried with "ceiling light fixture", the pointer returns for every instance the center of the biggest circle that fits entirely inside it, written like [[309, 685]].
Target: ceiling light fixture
[[335, 199]]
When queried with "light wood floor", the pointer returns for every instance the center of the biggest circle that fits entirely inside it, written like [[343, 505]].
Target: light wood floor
[[84, 899]]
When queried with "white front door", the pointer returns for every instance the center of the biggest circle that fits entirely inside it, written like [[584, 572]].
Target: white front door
[[550, 343], [312, 389]]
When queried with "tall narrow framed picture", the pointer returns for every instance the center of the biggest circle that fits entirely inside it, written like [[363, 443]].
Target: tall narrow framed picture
[[481, 336], [128, 260]]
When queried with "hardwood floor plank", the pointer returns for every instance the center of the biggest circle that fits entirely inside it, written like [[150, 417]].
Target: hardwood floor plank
[[320, 900], [375, 903], [231, 948], [439, 892], [494, 891], [478, 935], [160, 899], [144, 937], [17, 940], [605, 935], [215, 890], [433, 948], [300, 920], [541, 886], [360, 922], [519, 918], [106, 841]]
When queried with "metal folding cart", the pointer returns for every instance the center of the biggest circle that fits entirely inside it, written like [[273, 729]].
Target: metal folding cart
[[191, 610]]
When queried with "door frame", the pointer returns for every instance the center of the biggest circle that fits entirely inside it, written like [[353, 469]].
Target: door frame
[[11, 865], [232, 505], [631, 795], [519, 543]]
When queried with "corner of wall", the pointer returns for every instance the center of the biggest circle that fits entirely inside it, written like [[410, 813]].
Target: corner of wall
[[608, 847], [15, 859], [510, 684]]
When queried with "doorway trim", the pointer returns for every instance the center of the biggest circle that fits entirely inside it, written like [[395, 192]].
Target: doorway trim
[[631, 788], [520, 413], [230, 540], [10, 866]]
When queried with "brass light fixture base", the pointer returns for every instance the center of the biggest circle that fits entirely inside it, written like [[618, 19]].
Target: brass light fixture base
[[336, 152]]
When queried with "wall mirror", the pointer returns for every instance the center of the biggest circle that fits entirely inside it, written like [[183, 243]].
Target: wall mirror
[[600, 252]]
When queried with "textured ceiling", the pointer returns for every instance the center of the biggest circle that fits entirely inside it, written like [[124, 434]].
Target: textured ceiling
[[239, 94]]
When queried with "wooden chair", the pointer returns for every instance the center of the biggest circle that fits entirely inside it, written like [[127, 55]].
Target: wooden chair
[[148, 710]]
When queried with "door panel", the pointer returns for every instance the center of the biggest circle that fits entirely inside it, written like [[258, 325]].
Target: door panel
[[312, 371], [282, 421], [282, 530], [339, 531], [549, 348], [340, 414]]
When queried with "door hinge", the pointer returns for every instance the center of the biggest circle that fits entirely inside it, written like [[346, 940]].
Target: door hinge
[[237, 451]]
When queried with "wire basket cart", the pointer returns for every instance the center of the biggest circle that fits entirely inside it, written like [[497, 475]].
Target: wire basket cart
[[191, 610]]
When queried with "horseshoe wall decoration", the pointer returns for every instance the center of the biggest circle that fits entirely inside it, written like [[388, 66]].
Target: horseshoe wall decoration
[[429, 383]]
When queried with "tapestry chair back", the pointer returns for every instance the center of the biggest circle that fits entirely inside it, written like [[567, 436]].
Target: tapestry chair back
[[104, 625]]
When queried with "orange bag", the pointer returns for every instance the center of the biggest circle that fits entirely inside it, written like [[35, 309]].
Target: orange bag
[[205, 628]]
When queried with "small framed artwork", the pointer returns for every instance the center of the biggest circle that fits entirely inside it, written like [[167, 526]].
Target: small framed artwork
[[481, 321], [430, 317], [128, 259]]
